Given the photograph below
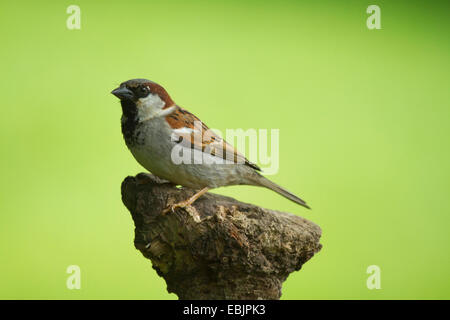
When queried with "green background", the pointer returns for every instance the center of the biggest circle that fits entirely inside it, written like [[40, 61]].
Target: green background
[[364, 135]]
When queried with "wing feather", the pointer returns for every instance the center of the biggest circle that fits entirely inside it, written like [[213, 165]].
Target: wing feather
[[193, 133]]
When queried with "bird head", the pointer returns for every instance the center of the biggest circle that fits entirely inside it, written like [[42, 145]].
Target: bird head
[[142, 96]]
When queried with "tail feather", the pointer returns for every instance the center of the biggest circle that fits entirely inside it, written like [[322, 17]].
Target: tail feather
[[264, 182]]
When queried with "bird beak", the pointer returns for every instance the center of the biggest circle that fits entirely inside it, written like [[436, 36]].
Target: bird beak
[[123, 93]]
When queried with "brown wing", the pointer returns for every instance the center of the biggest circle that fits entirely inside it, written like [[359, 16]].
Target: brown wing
[[194, 133]]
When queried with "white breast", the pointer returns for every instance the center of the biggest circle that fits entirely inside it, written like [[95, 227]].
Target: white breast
[[155, 147]]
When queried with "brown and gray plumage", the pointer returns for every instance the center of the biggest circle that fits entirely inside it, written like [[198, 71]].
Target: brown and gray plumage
[[157, 131]]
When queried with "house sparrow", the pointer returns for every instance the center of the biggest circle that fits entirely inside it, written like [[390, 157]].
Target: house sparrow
[[156, 130]]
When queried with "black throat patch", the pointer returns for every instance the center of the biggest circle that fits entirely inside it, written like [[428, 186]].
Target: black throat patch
[[130, 121]]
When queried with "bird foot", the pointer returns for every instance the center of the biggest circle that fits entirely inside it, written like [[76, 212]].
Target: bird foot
[[175, 206], [185, 203]]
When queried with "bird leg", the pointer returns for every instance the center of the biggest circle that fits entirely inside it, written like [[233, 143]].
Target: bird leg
[[187, 202]]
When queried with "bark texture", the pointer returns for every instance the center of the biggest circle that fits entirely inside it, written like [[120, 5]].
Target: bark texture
[[219, 248]]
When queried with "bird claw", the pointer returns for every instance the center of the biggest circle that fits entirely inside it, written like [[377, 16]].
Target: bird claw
[[173, 207], [167, 210], [185, 203]]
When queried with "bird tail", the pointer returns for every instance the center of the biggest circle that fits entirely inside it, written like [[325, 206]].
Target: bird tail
[[264, 182]]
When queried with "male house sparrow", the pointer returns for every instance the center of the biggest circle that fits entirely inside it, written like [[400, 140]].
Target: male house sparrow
[[154, 127]]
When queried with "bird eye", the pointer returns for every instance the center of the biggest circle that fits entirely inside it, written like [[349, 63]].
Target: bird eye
[[143, 91]]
